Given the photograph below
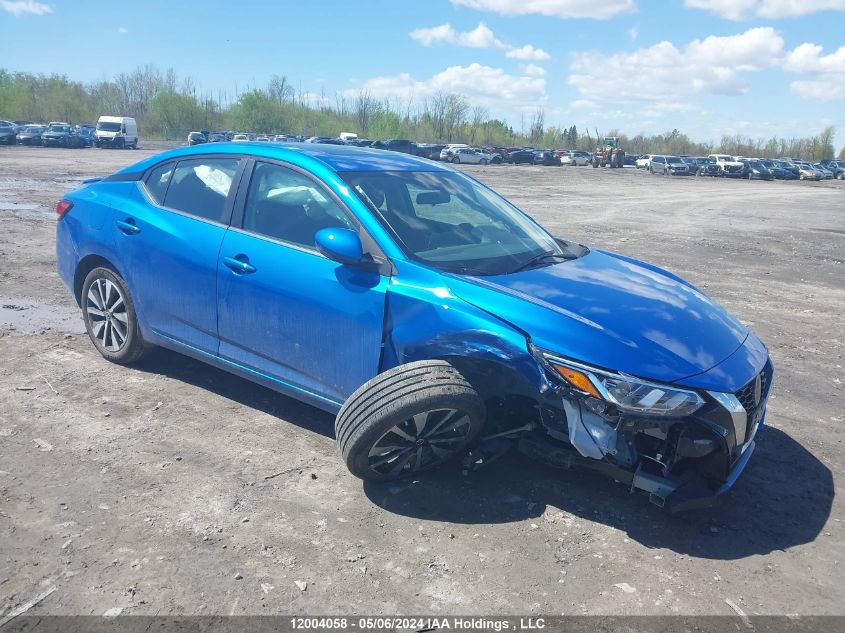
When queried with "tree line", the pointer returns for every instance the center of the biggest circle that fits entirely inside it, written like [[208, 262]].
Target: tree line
[[168, 107]]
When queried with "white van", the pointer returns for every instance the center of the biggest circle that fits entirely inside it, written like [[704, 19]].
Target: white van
[[348, 136], [116, 131]]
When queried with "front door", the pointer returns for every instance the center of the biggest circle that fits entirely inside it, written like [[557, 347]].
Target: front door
[[286, 311]]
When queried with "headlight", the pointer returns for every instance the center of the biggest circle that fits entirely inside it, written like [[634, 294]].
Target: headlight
[[629, 394]]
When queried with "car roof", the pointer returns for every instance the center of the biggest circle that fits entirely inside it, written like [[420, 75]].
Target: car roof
[[339, 158]]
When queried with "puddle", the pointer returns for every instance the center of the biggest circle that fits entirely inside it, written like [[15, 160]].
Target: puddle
[[25, 316]]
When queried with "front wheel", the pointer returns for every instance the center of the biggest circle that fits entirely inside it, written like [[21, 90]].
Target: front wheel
[[409, 419], [110, 318], [456, 160], [483, 161]]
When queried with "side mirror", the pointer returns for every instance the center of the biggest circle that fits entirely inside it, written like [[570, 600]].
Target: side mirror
[[340, 245]]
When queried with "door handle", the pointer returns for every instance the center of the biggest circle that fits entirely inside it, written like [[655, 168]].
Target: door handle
[[239, 264], [128, 226]]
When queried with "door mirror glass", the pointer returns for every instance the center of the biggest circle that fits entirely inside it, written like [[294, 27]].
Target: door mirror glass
[[340, 245]]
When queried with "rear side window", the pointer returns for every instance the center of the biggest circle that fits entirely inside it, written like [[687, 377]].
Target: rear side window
[[158, 180], [200, 186]]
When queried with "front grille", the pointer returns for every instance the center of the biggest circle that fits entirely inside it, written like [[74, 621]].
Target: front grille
[[754, 401]]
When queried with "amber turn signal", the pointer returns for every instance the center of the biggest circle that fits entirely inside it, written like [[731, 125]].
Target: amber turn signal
[[578, 380]]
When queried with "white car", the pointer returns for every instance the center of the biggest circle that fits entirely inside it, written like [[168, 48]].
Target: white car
[[469, 156], [240, 137], [578, 159], [644, 161], [729, 165], [447, 152]]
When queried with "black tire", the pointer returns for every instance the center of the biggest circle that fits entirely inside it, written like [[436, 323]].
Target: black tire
[[132, 348], [383, 409], [456, 160], [483, 161]]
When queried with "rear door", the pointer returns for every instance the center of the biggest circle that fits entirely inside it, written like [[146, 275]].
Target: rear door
[[168, 237], [284, 310]]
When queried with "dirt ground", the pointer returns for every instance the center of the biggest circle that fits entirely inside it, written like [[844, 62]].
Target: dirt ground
[[174, 488]]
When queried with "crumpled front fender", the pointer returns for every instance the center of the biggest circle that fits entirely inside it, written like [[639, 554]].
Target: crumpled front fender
[[423, 320]]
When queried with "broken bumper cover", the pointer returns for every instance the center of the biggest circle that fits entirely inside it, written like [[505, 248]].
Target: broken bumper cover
[[681, 462], [696, 494]]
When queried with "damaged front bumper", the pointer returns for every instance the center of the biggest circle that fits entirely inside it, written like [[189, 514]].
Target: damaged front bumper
[[681, 463]]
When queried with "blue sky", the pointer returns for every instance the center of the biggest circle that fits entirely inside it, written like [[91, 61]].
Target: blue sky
[[707, 67]]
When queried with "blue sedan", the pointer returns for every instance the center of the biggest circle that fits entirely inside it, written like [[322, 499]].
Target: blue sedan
[[433, 317]]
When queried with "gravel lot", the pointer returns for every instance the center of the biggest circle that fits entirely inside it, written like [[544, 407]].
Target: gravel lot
[[174, 488]]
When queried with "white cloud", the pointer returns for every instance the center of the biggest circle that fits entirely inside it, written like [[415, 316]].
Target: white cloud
[[633, 32], [601, 10], [480, 37], [482, 85], [527, 52], [770, 9], [532, 70], [666, 75], [828, 80], [19, 7], [122, 29]]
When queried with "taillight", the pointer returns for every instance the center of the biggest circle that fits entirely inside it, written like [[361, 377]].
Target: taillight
[[63, 207]]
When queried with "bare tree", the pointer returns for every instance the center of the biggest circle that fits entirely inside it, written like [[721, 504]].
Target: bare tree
[[479, 117], [280, 88], [537, 126], [365, 107], [456, 111]]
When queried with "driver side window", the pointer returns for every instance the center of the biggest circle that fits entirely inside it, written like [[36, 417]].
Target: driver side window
[[285, 205]]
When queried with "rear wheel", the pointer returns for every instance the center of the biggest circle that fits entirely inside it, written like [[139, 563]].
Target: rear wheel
[[110, 318], [483, 161], [407, 420]]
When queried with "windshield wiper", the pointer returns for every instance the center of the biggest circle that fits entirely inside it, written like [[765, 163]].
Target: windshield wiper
[[541, 257]]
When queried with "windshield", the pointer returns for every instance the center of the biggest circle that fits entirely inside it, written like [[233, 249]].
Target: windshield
[[105, 126], [59, 128], [450, 222]]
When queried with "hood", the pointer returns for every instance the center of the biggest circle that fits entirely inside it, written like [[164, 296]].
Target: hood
[[612, 312]]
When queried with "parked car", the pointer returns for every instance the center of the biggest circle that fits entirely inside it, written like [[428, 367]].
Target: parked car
[[643, 162], [86, 132], [729, 166], [60, 134], [470, 156], [473, 327], [575, 158], [31, 134], [675, 166], [446, 152], [519, 156], [239, 138], [545, 157], [756, 170], [116, 131], [396, 145], [430, 150], [324, 140], [778, 172], [705, 166], [806, 171], [835, 166], [197, 138], [827, 174], [656, 164], [792, 171], [8, 134]]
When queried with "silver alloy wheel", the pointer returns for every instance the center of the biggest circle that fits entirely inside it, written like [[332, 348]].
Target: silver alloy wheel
[[419, 442], [106, 310]]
